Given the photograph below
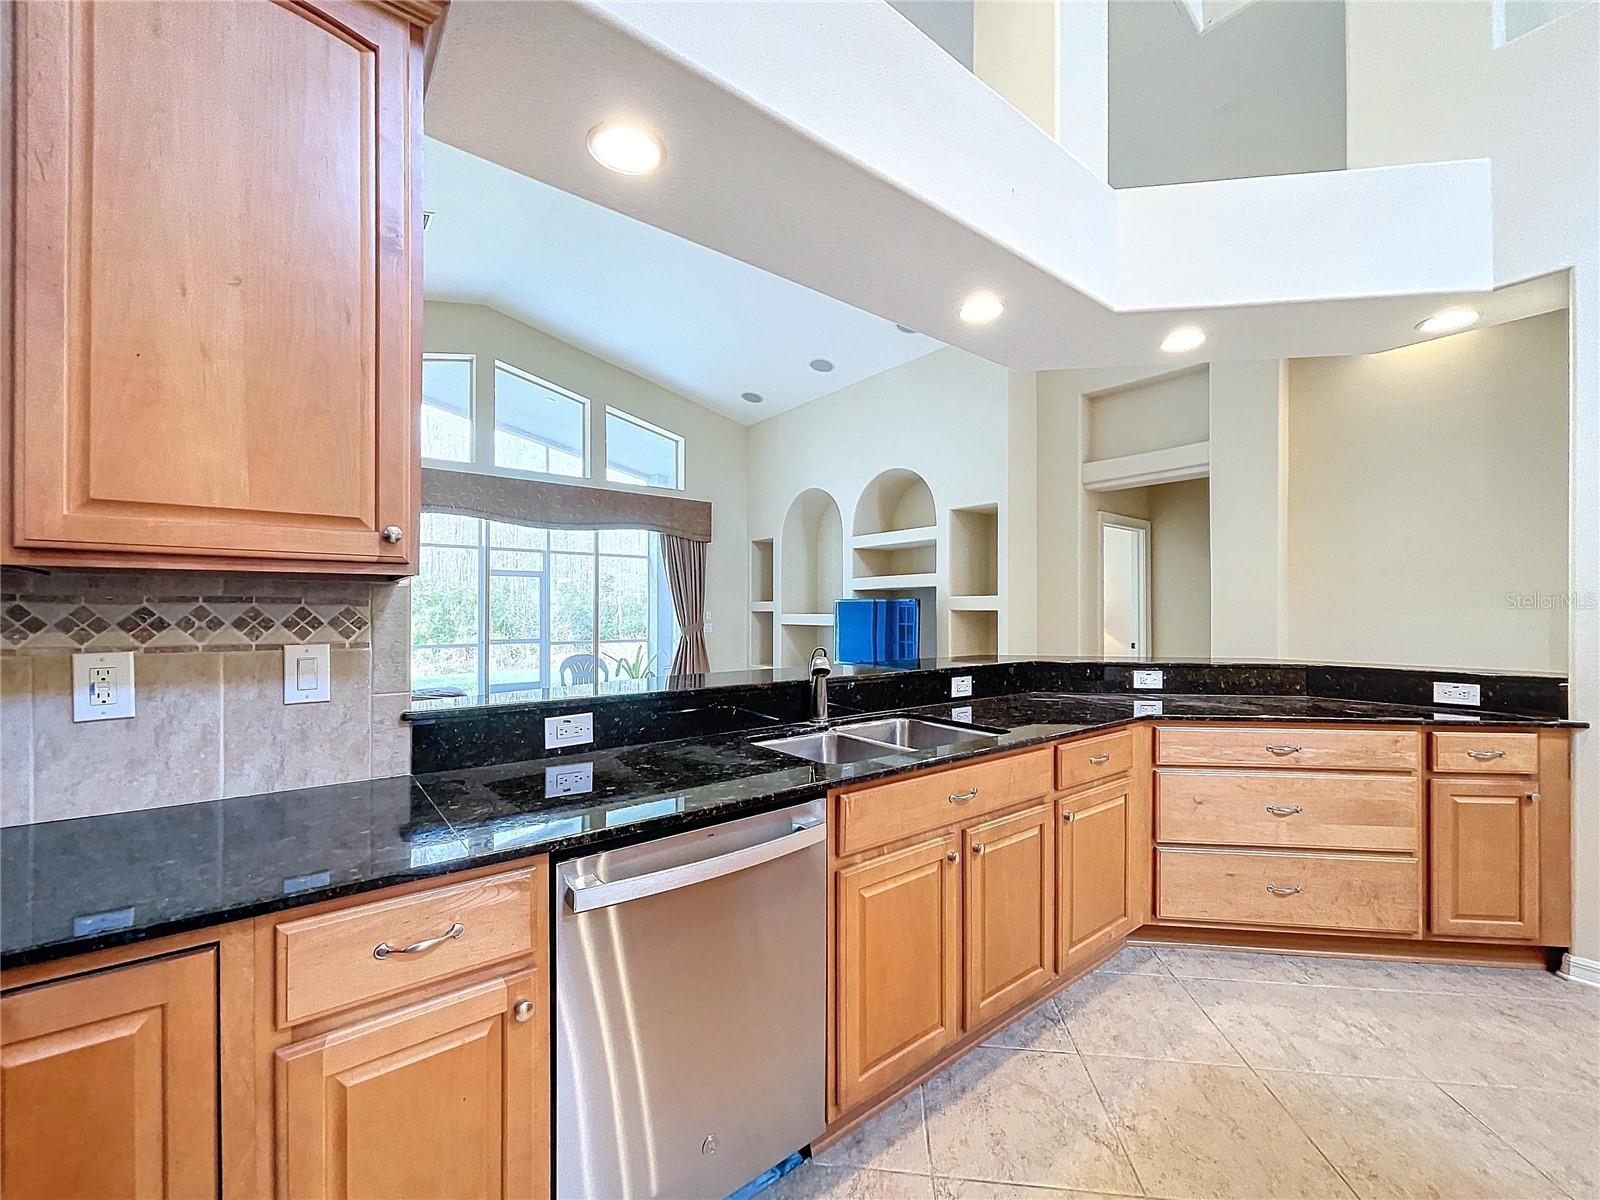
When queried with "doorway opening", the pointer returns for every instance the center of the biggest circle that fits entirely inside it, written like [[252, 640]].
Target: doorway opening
[[1124, 586]]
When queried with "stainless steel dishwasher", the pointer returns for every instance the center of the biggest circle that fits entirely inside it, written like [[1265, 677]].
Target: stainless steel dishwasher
[[691, 1007]]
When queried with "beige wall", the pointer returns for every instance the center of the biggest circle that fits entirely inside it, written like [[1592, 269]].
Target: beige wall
[[1157, 414], [714, 448], [1014, 48], [1428, 490], [1180, 568]]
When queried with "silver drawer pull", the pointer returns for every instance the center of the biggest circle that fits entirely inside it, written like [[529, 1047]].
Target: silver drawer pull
[[963, 797], [383, 949], [1285, 810], [1485, 755], [1284, 891], [1098, 759], [1280, 751]]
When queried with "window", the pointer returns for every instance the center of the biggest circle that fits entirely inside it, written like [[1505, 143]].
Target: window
[[498, 607], [638, 452], [537, 426], [447, 407]]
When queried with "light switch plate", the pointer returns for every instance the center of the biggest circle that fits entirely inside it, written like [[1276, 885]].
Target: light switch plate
[[1455, 693], [305, 675], [572, 779], [960, 685], [102, 686], [574, 729], [1147, 679]]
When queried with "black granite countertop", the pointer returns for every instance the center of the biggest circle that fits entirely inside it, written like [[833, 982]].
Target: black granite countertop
[[67, 887]]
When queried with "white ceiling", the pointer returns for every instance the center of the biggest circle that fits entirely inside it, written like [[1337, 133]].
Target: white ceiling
[[699, 323]]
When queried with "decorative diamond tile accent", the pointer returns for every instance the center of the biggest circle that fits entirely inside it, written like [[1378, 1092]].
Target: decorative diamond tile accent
[[253, 623], [142, 624], [302, 623], [135, 616], [83, 624], [348, 622]]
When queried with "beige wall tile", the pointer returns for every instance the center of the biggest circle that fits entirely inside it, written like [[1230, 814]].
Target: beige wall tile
[[391, 737], [16, 741], [268, 745], [391, 637], [166, 754]]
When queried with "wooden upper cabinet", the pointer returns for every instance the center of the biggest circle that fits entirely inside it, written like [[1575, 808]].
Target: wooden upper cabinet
[[1484, 846], [1010, 910], [217, 286], [108, 1083], [1092, 847], [899, 955]]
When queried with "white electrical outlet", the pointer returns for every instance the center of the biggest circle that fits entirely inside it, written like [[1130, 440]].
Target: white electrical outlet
[[1147, 708], [960, 685], [571, 780], [1455, 693], [306, 671], [962, 714], [1147, 679], [102, 686], [574, 729]]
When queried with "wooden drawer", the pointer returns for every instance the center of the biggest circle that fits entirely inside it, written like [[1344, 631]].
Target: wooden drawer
[[1315, 810], [1091, 759], [329, 962], [887, 812], [1315, 891], [1486, 753], [1287, 746]]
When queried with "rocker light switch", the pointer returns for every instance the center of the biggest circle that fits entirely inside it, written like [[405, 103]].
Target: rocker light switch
[[305, 675]]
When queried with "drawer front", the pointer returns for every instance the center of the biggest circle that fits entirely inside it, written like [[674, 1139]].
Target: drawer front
[[334, 960], [1314, 810], [887, 812], [1287, 746], [1091, 759], [1486, 753], [1314, 891]]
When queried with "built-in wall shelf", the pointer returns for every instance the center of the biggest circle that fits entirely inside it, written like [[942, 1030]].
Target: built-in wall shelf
[[761, 573], [897, 539], [761, 640], [806, 619], [973, 632], [974, 603], [894, 583]]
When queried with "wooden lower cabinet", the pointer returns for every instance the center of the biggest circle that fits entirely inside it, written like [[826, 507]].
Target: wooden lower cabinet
[[448, 1098], [898, 952], [1010, 910], [1484, 857], [1092, 847], [109, 1083]]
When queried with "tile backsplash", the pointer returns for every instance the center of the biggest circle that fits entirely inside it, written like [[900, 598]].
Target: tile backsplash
[[210, 720]]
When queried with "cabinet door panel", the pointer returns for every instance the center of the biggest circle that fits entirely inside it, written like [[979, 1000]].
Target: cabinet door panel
[[899, 963], [1010, 911], [443, 1099], [108, 1083], [215, 281], [1485, 858], [1092, 841]]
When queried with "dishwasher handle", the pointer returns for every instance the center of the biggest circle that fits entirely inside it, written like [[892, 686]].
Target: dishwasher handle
[[587, 894]]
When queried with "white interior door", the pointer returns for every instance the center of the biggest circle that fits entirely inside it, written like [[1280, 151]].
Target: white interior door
[[1125, 585]]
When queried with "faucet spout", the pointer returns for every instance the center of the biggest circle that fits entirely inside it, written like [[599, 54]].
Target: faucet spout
[[821, 668]]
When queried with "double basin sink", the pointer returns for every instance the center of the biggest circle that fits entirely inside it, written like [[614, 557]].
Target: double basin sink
[[867, 740]]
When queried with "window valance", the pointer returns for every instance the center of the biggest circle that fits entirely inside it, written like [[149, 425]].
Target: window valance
[[562, 505]]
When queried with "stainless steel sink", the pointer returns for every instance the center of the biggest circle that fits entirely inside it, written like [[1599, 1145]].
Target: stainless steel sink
[[915, 733], [830, 747]]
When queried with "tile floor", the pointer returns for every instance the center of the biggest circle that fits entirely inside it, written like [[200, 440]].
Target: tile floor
[[1196, 1074]]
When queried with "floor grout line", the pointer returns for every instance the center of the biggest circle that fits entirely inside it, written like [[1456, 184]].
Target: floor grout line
[[1306, 1133], [1144, 1190], [1504, 1141]]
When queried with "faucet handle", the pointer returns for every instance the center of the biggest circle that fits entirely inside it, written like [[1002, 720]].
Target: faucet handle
[[820, 663]]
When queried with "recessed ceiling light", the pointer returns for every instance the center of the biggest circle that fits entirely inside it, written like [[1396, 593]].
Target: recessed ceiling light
[[982, 307], [624, 148], [821, 364], [1448, 320], [1183, 339], [752, 397]]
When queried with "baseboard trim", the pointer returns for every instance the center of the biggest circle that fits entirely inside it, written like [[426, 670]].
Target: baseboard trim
[[1580, 970]]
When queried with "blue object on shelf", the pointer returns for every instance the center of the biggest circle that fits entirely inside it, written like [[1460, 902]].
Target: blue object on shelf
[[878, 632]]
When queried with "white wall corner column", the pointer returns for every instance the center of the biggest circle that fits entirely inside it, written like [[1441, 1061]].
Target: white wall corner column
[[1249, 509], [1583, 688], [1019, 519], [1084, 82]]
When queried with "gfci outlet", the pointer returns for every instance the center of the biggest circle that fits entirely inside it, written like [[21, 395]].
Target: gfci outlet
[[1147, 679], [102, 686], [1455, 693], [960, 685], [574, 729]]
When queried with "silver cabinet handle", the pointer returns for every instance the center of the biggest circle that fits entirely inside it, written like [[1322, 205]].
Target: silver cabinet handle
[[963, 797], [952, 856], [384, 950], [1485, 755], [1280, 751], [1097, 759], [977, 847], [587, 893], [393, 533], [522, 1011], [1067, 816], [1284, 891], [1284, 810], [1533, 797]]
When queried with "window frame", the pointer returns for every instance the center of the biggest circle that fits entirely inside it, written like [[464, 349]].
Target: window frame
[[585, 423], [455, 464], [650, 427]]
